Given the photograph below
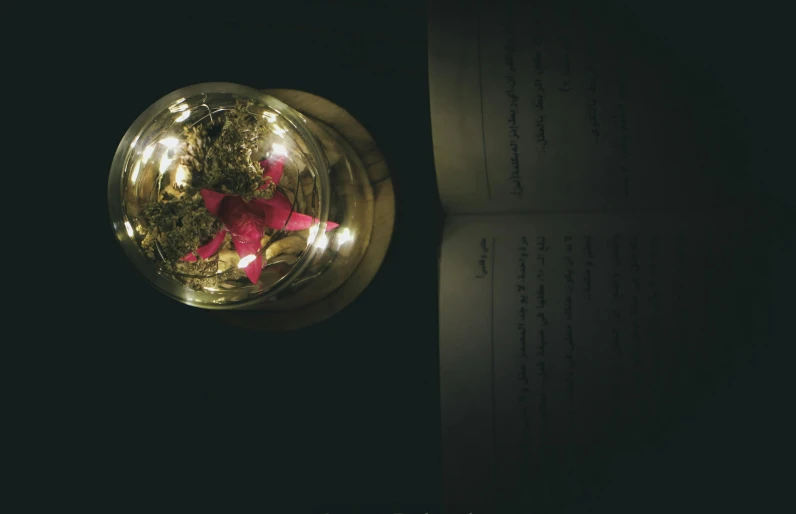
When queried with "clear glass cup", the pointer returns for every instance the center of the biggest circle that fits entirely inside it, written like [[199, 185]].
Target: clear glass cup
[[223, 197]]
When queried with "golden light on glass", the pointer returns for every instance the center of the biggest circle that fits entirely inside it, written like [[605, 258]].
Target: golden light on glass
[[181, 176], [313, 232], [165, 162], [344, 236], [178, 106], [279, 149], [169, 142], [136, 169], [147, 154]]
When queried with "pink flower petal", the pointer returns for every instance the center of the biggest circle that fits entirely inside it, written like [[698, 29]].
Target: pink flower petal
[[213, 246], [278, 216], [212, 200], [208, 249], [280, 200], [246, 249], [244, 220], [273, 170]]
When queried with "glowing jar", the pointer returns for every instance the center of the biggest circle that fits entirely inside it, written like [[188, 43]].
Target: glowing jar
[[223, 197]]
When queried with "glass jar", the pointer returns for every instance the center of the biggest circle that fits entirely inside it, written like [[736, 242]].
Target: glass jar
[[223, 197]]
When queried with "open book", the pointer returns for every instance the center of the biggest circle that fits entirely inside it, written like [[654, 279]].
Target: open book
[[599, 256]]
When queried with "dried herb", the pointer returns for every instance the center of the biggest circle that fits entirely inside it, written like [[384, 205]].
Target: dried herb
[[218, 157], [177, 225], [221, 157]]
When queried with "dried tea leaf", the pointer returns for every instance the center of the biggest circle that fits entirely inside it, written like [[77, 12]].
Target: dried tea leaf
[[176, 227], [220, 157]]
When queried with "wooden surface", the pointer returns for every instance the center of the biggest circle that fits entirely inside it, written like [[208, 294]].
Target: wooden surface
[[383, 220]]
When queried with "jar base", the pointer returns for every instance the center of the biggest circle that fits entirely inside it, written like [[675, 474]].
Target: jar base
[[362, 143]]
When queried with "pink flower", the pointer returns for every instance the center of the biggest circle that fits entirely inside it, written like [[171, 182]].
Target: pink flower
[[246, 221]]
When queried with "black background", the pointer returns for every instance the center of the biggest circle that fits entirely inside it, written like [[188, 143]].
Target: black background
[[157, 403], [346, 411], [152, 403]]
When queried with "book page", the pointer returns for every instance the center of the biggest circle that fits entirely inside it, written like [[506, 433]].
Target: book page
[[562, 107], [568, 340]]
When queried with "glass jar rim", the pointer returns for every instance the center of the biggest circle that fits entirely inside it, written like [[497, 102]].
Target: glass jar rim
[[123, 229]]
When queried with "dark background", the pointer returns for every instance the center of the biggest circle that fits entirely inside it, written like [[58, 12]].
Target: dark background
[[186, 408], [164, 406], [346, 411]]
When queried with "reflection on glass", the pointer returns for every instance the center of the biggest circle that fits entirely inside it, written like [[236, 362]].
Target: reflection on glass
[[236, 240]]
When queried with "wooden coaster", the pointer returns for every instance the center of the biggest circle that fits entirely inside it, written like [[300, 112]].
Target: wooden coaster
[[383, 220]]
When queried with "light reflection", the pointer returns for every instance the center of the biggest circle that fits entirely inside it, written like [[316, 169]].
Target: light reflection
[[184, 116], [271, 117], [135, 141], [245, 261], [344, 237], [129, 229], [178, 106], [279, 131], [181, 176], [147, 154], [169, 142], [279, 149], [313, 232], [136, 169], [322, 242], [165, 162]]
